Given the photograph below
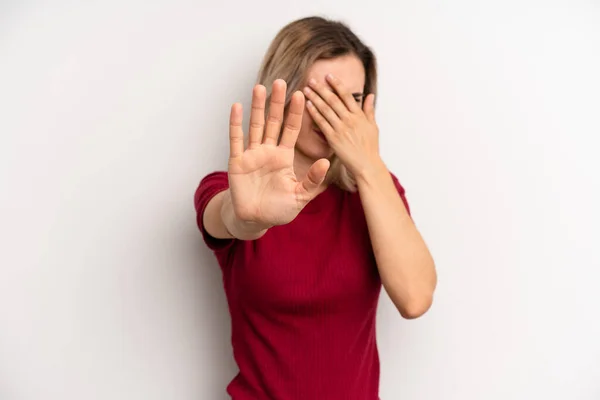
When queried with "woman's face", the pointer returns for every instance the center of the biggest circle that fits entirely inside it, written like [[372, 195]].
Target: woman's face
[[349, 69]]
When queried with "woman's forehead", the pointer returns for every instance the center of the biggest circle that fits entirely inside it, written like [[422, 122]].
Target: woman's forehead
[[348, 69]]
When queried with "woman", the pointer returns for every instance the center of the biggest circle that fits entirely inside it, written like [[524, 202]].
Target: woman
[[307, 224]]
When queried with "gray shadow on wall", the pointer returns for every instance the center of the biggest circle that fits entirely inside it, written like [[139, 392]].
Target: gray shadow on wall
[[212, 154]]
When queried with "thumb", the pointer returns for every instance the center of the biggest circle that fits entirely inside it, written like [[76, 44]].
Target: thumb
[[369, 107], [315, 176]]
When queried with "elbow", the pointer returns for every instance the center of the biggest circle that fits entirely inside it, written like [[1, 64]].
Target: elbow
[[414, 312], [416, 308], [417, 299]]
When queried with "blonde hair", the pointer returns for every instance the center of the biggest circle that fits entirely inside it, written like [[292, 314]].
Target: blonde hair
[[293, 51]]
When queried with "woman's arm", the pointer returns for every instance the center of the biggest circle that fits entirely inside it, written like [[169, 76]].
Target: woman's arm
[[406, 268], [220, 221], [263, 190], [405, 265]]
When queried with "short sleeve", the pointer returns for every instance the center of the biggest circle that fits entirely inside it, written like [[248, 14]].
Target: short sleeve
[[211, 185], [401, 191]]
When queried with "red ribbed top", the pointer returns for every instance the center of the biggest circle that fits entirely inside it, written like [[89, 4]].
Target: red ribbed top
[[303, 300]]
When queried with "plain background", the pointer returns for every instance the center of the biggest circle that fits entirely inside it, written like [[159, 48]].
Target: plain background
[[111, 113]]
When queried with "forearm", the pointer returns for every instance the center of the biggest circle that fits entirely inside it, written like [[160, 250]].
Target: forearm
[[221, 222], [404, 262]]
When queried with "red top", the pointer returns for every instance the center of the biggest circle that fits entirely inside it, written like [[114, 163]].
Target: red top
[[302, 300]]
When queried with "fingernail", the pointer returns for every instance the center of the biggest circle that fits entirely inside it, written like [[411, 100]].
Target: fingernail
[[307, 90], [329, 76], [312, 81], [309, 103]]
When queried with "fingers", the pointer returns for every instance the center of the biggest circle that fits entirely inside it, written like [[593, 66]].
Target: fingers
[[293, 121], [343, 93], [315, 176], [236, 132], [319, 119], [257, 116], [369, 107], [328, 103], [276, 110]]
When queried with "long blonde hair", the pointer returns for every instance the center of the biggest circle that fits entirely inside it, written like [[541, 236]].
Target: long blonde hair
[[293, 51]]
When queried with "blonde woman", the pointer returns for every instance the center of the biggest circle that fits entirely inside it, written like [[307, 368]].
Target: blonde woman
[[308, 224]]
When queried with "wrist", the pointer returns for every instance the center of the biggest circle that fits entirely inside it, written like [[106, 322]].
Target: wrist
[[371, 171], [236, 227]]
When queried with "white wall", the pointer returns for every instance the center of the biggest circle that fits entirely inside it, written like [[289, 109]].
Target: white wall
[[111, 113]]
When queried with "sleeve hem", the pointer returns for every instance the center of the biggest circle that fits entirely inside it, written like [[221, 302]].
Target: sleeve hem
[[204, 194]]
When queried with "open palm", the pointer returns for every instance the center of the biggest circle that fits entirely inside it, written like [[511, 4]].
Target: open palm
[[264, 188]]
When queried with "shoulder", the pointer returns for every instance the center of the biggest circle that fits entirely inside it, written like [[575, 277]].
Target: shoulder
[[215, 177], [210, 185]]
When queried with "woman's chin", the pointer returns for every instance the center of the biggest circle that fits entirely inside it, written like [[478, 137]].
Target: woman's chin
[[325, 153], [316, 150]]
